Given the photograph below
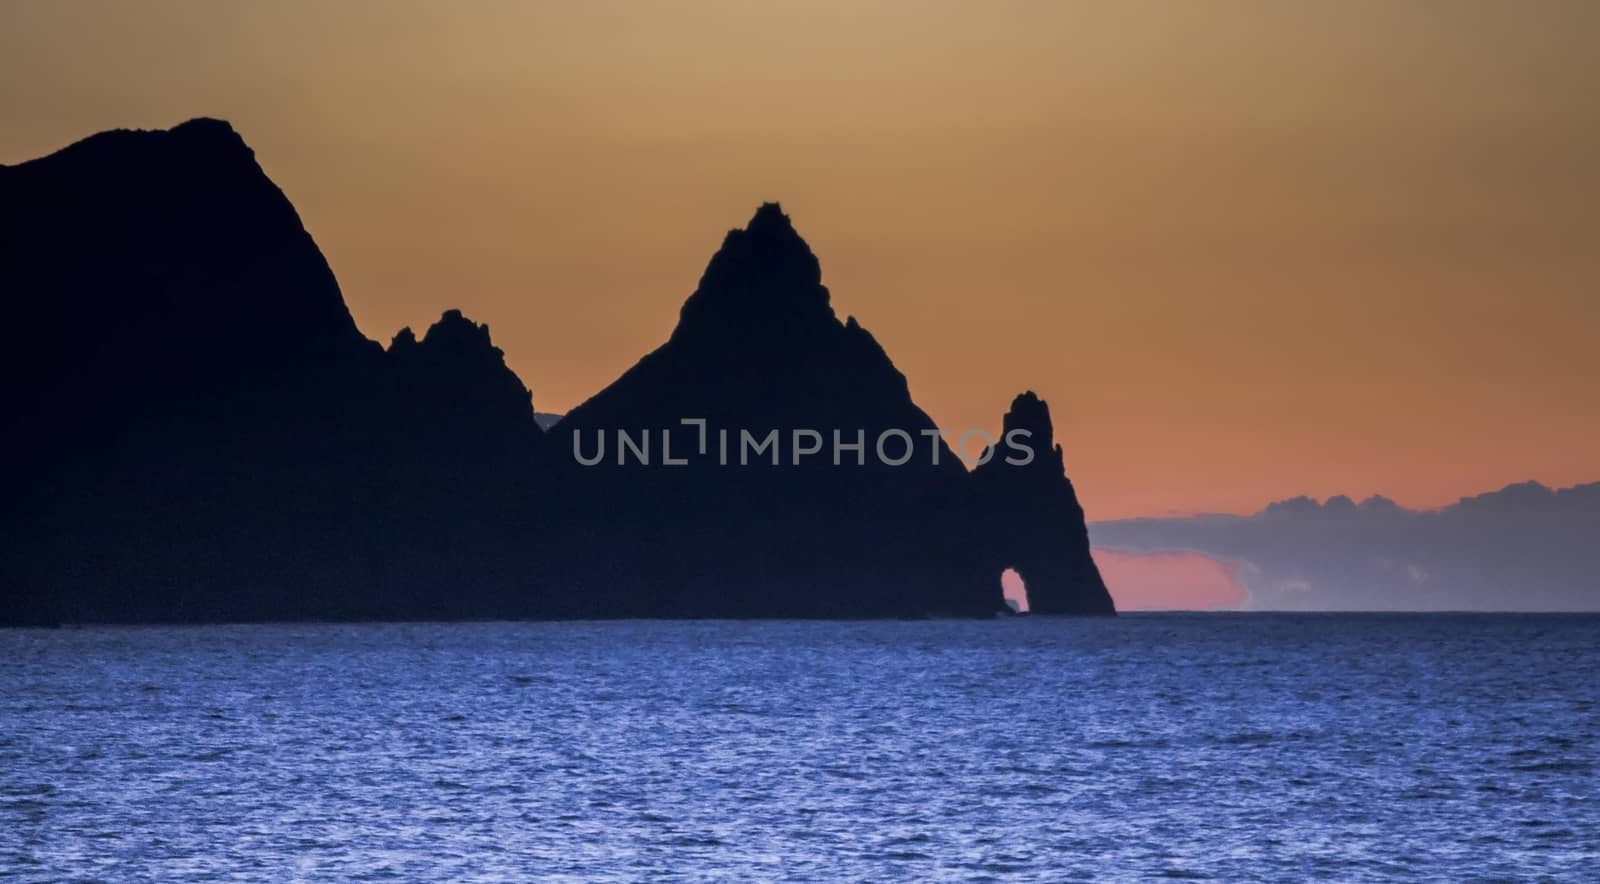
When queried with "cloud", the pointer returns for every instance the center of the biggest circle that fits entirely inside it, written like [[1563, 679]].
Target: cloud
[[1525, 547]]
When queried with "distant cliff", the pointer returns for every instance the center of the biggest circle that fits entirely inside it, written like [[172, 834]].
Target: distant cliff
[[200, 433]]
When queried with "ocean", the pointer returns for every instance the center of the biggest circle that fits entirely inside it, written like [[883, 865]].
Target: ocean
[[1193, 746]]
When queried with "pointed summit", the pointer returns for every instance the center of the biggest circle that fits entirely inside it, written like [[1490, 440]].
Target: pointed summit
[[758, 339], [770, 217], [455, 377], [456, 333], [1034, 522], [1029, 412], [771, 231], [764, 276]]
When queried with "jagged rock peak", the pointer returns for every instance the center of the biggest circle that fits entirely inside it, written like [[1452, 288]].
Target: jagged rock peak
[[456, 361], [770, 219], [453, 337], [404, 339], [454, 331], [1029, 412], [763, 274]]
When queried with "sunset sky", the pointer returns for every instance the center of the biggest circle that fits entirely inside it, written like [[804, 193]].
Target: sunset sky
[[1246, 250]]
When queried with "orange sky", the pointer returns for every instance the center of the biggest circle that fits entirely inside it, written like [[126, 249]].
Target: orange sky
[[1246, 249]]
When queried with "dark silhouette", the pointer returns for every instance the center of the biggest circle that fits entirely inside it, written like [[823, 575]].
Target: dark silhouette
[[198, 432], [1036, 525]]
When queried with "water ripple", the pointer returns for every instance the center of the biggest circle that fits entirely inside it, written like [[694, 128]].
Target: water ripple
[[1189, 748]]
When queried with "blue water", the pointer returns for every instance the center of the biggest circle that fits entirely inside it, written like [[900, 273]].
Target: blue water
[[1206, 746]]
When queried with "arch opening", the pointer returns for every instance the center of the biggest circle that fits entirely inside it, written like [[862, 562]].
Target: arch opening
[[1014, 590]]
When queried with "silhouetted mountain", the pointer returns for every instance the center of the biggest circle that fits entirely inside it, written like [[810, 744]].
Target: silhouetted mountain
[[1524, 548], [205, 432], [759, 351], [188, 394], [1034, 518], [463, 501], [135, 257], [208, 436]]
